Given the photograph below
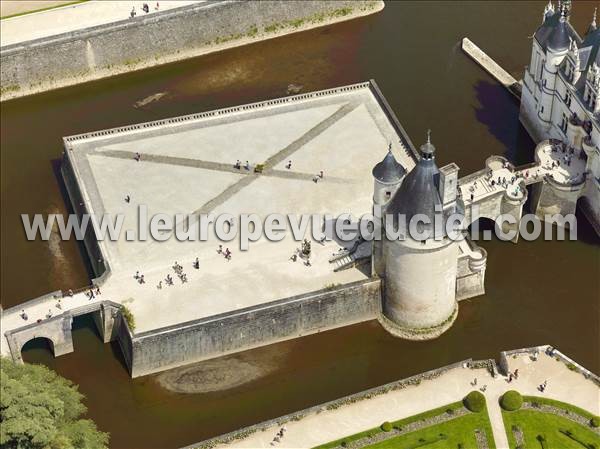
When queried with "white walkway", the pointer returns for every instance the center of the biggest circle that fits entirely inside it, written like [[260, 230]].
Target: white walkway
[[563, 384], [76, 17]]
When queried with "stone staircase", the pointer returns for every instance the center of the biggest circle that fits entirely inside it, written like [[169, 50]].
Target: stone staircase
[[343, 261]]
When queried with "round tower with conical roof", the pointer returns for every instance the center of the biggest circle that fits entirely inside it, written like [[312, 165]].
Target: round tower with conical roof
[[557, 47], [387, 175], [419, 300]]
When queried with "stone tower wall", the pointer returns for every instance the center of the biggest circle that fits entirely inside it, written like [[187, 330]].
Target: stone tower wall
[[420, 282]]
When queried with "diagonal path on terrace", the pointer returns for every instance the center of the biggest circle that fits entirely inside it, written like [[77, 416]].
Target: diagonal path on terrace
[[278, 157], [215, 166], [249, 176]]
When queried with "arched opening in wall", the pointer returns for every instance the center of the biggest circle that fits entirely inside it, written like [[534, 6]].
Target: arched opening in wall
[[533, 191], [482, 229], [88, 342], [38, 350]]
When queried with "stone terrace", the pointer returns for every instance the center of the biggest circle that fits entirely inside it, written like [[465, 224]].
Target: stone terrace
[[187, 166]]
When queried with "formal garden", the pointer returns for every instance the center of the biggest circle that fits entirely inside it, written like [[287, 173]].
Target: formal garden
[[461, 425], [533, 422]]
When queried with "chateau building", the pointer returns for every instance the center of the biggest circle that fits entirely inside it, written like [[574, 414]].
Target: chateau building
[[560, 94]]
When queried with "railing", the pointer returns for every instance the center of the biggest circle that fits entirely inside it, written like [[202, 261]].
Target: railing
[[527, 166], [215, 113]]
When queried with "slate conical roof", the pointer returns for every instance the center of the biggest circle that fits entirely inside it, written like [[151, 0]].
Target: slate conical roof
[[389, 170], [559, 37], [418, 193]]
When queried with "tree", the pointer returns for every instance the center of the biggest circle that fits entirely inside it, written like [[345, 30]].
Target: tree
[[40, 409]]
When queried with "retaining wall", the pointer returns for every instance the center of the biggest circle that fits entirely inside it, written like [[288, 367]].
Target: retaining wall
[[252, 327], [92, 246], [415, 380], [162, 37]]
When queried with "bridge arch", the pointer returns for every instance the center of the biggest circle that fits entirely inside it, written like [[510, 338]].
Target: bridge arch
[[56, 330], [36, 343]]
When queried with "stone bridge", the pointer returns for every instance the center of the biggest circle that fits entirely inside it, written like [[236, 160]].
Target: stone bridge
[[558, 175], [56, 329]]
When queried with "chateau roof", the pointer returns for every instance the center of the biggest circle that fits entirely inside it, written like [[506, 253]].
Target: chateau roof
[[418, 193], [588, 52], [555, 34], [389, 170], [559, 38]]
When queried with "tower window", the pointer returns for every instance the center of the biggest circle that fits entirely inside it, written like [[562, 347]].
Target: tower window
[[563, 124], [568, 98]]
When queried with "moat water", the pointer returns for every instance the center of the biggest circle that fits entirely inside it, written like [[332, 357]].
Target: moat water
[[537, 292]]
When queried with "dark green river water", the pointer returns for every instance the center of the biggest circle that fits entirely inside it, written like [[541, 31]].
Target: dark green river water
[[537, 292]]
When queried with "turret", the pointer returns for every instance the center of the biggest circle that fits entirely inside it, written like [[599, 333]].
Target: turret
[[593, 27], [420, 270], [388, 175], [548, 11], [559, 39]]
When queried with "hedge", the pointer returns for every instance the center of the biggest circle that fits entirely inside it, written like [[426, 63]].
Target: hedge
[[474, 401], [511, 400]]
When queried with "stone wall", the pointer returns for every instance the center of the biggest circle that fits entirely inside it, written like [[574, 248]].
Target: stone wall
[[470, 276], [96, 258], [551, 197], [159, 38], [124, 339], [251, 327]]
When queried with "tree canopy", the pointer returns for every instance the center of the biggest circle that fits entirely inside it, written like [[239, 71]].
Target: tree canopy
[[40, 409]]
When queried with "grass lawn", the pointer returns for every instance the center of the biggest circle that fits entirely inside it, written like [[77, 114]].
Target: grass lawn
[[454, 434], [458, 430], [534, 423]]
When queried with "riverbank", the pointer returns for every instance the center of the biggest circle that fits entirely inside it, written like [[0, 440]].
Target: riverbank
[[567, 382], [159, 38]]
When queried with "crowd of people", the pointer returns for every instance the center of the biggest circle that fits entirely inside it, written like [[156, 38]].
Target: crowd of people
[[178, 269]]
